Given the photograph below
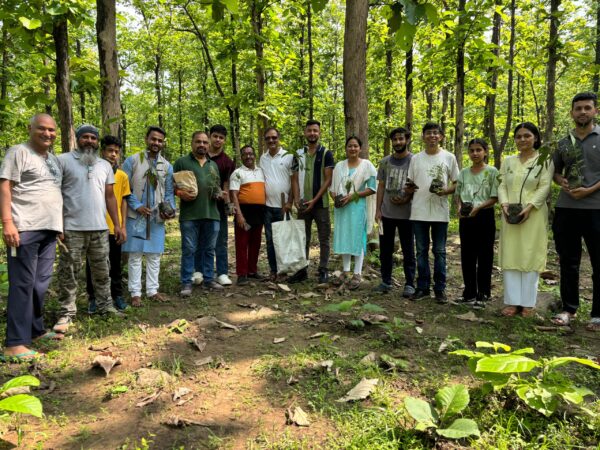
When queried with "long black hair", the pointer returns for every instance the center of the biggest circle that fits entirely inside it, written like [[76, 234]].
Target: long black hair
[[531, 127]]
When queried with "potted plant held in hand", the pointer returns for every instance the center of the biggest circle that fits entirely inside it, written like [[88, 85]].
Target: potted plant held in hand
[[437, 175], [466, 208], [348, 187]]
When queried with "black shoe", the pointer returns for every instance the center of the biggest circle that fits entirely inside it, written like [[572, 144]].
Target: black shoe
[[242, 280], [383, 288], [481, 301], [440, 297], [256, 277], [467, 301], [420, 294], [298, 277], [323, 276]]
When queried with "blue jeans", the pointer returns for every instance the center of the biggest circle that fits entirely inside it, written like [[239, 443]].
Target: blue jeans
[[220, 248], [198, 237], [271, 215], [439, 231]]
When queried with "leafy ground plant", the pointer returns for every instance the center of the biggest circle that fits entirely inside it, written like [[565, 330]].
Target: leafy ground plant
[[20, 403], [536, 382], [449, 401]]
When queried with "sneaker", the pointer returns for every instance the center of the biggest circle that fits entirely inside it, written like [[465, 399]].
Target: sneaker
[[323, 276], [467, 301], [63, 324], [120, 303], [111, 311], [383, 288], [298, 277], [255, 277], [212, 284], [408, 291], [242, 280], [440, 297], [481, 301], [420, 294], [197, 278], [92, 308], [186, 290], [224, 280]]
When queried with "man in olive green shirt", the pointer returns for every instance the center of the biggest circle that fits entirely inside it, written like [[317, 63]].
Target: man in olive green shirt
[[199, 216]]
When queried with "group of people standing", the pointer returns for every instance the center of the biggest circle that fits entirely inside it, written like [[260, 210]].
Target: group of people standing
[[97, 210]]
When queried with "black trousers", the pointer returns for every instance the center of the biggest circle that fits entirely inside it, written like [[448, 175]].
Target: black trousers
[[116, 273], [477, 236], [321, 217], [386, 249], [570, 226]]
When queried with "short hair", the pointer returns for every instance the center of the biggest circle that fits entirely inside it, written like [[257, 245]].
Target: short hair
[[110, 140], [271, 129], [433, 126], [531, 127], [353, 137], [581, 96], [407, 134], [218, 128], [196, 133], [158, 129], [312, 122], [38, 116], [245, 147], [479, 141]]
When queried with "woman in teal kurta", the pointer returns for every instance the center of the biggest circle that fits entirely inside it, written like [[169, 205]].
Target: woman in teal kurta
[[353, 184]]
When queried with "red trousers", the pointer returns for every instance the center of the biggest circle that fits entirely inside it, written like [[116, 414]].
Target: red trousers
[[247, 247]]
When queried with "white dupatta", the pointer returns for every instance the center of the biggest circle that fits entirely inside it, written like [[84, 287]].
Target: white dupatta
[[363, 172]]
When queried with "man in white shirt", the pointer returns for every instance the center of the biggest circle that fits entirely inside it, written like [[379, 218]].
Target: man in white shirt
[[276, 164]]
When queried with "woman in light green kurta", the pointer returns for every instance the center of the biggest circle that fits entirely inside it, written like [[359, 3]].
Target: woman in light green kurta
[[523, 246]]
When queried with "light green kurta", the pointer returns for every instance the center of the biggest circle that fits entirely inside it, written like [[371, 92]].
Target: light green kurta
[[524, 246]]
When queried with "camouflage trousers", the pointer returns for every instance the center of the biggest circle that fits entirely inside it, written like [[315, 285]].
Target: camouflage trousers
[[92, 245]]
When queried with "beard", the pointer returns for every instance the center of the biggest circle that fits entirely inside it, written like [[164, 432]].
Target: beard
[[89, 155], [582, 123], [399, 149]]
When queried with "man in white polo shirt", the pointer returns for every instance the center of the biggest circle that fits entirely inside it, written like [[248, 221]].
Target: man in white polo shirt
[[276, 164]]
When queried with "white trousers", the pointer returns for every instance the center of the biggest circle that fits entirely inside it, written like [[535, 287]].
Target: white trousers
[[358, 262], [134, 282], [520, 288]]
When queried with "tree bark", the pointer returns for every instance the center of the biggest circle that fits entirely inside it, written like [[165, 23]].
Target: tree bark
[[409, 88], [311, 64], [596, 80], [123, 128], [355, 72], [4, 77], [106, 37], [180, 110], [459, 122], [60, 35], [158, 87], [388, 103], [551, 70], [81, 92], [234, 122], [259, 71]]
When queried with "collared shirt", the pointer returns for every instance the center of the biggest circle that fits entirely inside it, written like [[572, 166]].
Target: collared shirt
[[36, 198], [204, 206], [590, 155], [278, 172], [83, 190], [251, 185]]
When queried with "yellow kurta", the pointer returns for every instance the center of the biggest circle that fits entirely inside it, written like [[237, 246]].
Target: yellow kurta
[[524, 246]]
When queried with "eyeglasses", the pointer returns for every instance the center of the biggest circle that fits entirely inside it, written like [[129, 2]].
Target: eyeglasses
[[432, 133]]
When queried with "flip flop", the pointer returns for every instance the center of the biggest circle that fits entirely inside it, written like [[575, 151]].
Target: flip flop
[[136, 301], [527, 312], [563, 319], [50, 336], [594, 324], [509, 311], [21, 357]]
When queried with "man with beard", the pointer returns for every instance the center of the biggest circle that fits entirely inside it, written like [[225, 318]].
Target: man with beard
[[577, 214], [393, 212], [87, 189], [151, 203], [31, 210], [199, 217], [314, 165]]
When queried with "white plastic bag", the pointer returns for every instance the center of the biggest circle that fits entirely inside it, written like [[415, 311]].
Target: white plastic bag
[[289, 240]]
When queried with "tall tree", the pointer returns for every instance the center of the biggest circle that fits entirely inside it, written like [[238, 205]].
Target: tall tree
[[106, 36], [60, 35], [553, 44], [596, 79], [256, 18], [459, 127], [355, 72]]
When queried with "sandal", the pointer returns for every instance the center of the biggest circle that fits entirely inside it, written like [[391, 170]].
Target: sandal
[[158, 297], [509, 311], [563, 319], [594, 324], [527, 312], [338, 281], [354, 282], [50, 336], [136, 301], [21, 357]]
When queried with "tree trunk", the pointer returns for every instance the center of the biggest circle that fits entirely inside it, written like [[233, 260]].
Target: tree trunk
[[60, 35], [596, 81], [311, 64], [551, 70], [489, 119], [429, 99], [46, 82], [106, 36], [443, 116], [259, 71], [157, 86], [81, 91], [123, 128], [234, 123], [409, 87], [4, 78], [180, 110], [388, 103], [459, 122], [355, 72]]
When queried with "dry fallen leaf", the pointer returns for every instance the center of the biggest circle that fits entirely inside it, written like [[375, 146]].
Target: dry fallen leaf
[[369, 358], [206, 322], [317, 335], [419, 330], [150, 399], [297, 416], [176, 421], [247, 305], [106, 361], [284, 287], [98, 348], [278, 340], [309, 295], [228, 325], [198, 344], [327, 364], [361, 391], [408, 314], [204, 361], [335, 337], [374, 318], [180, 392], [471, 317]]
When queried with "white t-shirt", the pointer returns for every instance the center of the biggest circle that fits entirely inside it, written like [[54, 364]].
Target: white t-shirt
[[278, 172], [423, 169]]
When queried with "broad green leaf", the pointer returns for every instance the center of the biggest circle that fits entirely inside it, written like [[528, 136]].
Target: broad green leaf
[[372, 307], [556, 362], [432, 14], [451, 400], [30, 24], [468, 353], [405, 35], [460, 428], [506, 364], [232, 6], [395, 18], [25, 380], [22, 403], [538, 398], [495, 345], [318, 5], [421, 411], [524, 351]]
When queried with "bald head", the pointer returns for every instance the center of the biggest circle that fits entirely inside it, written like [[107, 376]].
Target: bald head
[[42, 132]]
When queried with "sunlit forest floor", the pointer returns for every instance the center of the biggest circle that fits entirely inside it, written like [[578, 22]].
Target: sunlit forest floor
[[230, 384]]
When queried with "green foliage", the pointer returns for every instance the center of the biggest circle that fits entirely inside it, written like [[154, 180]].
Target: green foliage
[[535, 382], [449, 401], [21, 403], [3, 279]]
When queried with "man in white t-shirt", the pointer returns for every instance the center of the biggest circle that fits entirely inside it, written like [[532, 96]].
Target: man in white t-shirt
[[276, 164], [434, 171]]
